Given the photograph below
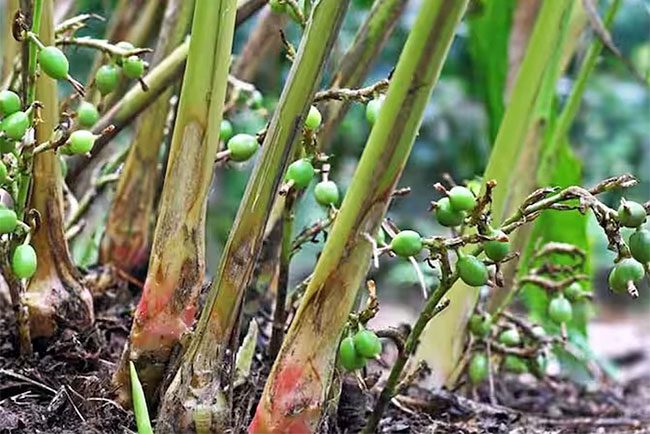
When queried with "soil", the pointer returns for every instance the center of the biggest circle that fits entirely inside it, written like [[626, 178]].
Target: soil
[[65, 387]]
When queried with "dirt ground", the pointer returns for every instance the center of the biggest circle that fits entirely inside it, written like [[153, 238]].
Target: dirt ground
[[65, 388]]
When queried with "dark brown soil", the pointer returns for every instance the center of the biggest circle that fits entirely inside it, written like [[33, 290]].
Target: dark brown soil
[[65, 388]]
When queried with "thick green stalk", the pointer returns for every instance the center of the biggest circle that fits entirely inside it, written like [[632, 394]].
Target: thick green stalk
[[127, 236], [352, 71], [54, 293], [196, 388], [296, 391], [447, 330], [159, 78], [177, 263], [358, 59]]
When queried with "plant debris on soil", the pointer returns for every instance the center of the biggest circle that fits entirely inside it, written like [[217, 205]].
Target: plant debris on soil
[[65, 387]]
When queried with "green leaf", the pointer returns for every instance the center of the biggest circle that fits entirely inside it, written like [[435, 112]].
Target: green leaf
[[139, 403], [489, 34]]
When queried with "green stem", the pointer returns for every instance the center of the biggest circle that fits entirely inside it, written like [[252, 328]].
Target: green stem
[[296, 391], [177, 262], [390, 388], [33, 51], [135, 100], [358, 59], [197, 382], [54, 294], [279, 316], [127, 237]]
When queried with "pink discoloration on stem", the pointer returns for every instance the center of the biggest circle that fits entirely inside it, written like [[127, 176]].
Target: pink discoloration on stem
[[156, 324], [288, 395]]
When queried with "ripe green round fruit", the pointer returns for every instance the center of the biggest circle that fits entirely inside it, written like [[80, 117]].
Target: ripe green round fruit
[[87, 114], [406, 243], [515, 364], [256, 100], [3, 172], [348, 356], [472, 270], [372, 109], [107, 79], [478, 368], [538, 365], [510, 338], [574, 292], [560, 310], [447, 215], [496, 250], [615, 283], [133, 67], [242, 147], [461, 198], [54, 63], [226, 130], [15, 125], [640, 245], [8, 221], [300, 172], [9, 102], [23, 261], [627, 270], [7, 145], [326, 193], [314, 118], [480, 325], [81, 142], [367, 344], [631, 214]]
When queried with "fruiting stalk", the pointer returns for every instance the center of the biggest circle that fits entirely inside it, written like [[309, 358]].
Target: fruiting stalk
[[543, 148], [54, 293], [358, 59], [177, 262], [352, 71], [446, 332], [296, 391], [136, 99], [196, 389], [148, 18], [127, 237]]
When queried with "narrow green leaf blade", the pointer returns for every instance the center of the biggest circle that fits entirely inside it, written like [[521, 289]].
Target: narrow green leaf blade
[[139, 403]]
